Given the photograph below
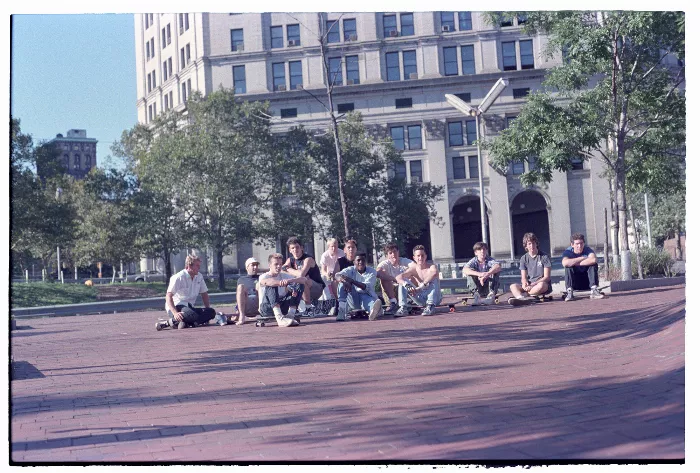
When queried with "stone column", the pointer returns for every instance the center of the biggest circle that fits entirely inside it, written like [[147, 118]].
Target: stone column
[[441, 238]]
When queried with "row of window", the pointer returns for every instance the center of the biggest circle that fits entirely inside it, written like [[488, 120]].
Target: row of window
[[184, 21], [169, 100], [76, 161]]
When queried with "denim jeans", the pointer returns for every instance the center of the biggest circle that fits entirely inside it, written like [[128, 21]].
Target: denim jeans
[[430, 294], [272, 298], [356, 300]]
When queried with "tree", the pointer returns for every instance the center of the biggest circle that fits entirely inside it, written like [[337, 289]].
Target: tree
[[616, 97], [384, 208]]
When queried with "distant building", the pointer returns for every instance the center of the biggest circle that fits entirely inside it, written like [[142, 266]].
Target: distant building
[[77, 152]]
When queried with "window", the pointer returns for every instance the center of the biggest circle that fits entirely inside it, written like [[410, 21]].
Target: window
[[168, 32], [466, 96], [527, 59], [279, 79], [184, 19], [416, 171], [170, 94], [410, 66], [288, 112], [449, 56], [389, 23], [182, 58], [393, 69], [148, 51], [145, 19], [293, 35], [407, 24], [346, 107], [400, 171], [473, 167], [165, 71], [465, 20], [404, 103], [335, 71], [166, 103], [187, 21], [531, 163], [458, 170], [518, 168], [576, 163], [509, 59], [150, 85], [352, 70], [184, 92], [170, 66], [349, 30], [88, 161], [187, 53], [521, 93], [454, 131], [522, 18], [162, 38], [189, 87], [239, 86], [277, 37], [76, 161], [415, 137], [333, 29], [468, 65], [447, 21], [296, 80], [506, 21], [471, 132], [237, 40], [397, 134], [153, 47]]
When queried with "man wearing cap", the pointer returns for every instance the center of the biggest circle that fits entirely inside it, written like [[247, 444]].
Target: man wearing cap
[[247, 291]]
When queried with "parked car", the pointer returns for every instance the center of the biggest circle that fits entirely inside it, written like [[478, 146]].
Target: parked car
[[147, 276]]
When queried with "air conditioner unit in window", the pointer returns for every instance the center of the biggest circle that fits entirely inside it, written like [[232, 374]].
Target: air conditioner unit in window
[[353, 81], [352, 37], [281, 88], [299, 86], [446, 28], [393, 33], [413, 75], [238, 47], [415, 179], [293, 42]]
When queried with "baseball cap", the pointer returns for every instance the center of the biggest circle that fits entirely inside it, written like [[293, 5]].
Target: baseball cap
[[250, 261]]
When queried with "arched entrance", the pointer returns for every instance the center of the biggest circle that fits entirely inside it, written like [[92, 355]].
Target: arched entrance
[[529, 214], [466, 226]]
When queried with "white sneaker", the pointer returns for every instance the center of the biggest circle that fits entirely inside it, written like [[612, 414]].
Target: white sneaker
[[487, 301], [376, 310], [477, 299], [283, 321]]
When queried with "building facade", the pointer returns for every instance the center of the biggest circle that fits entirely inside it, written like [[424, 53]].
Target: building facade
[[394, 68], [77, 152]]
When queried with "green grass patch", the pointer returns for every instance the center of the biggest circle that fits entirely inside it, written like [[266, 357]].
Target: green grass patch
[[38, 294]]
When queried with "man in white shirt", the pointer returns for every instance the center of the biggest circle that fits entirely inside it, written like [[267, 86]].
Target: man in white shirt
[[280, 293], [182, 294], [356, 290], [387, 271]]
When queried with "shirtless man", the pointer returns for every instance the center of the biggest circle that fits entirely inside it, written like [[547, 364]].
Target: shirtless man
[[421, 281]]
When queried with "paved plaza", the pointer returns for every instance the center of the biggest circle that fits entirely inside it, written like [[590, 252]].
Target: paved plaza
[[588, 379]]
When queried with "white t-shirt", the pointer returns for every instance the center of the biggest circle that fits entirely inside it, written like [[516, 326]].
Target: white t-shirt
[[394, 271], [185, 289], [329, 259], [281, 290]]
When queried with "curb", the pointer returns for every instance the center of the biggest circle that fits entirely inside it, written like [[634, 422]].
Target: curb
[[616, 286]]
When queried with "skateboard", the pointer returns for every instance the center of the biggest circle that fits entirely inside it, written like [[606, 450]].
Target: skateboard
[[263, 320], [530, 300], [322, 308], [163, 323], [465, 300]]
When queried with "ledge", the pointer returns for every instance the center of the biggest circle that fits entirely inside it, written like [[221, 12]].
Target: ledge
[[616, 286]]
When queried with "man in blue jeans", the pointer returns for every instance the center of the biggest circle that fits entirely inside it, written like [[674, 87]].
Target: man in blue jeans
[[421, 283], [356, 290], [580, 268]]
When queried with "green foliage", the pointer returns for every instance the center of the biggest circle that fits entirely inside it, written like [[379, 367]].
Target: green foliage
[[655, 261]]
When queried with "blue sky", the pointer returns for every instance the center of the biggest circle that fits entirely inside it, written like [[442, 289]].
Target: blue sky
[[74, 71]]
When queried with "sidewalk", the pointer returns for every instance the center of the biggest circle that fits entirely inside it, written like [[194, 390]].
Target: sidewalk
[[582, 380]]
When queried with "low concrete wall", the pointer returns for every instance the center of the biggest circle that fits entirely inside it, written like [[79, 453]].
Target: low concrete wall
[[645, 283], [111, 307]]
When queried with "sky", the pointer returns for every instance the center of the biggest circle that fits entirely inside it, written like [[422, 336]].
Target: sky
[[74, 71]]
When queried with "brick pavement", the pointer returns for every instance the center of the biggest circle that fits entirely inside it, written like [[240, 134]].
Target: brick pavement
[[571, 381]]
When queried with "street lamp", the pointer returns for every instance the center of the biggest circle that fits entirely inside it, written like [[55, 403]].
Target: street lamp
[[466, 109]]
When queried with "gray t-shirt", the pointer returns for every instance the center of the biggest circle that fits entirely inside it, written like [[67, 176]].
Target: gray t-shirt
[[535, 265], [248, 283]]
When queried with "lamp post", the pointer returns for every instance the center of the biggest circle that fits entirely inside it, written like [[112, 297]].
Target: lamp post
[[468, 110]]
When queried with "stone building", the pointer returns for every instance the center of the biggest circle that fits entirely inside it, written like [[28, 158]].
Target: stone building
[[77, 152], [395, 68]]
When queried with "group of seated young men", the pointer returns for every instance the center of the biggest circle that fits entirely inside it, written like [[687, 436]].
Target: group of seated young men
[[345, 276], [580, 271]]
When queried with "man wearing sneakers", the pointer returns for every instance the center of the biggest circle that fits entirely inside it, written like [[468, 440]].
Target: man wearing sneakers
[[280, 293], [535, 271], [580, 268], [356, 290], [303, 265], [183, 289], [483, 270], [247, 291], [421, 283], [387, 271]]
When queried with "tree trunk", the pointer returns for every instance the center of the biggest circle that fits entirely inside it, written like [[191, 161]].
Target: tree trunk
[[679, 248], [640, 271], [606, 247], [625, 263], [612, 183], [166, 261], [220, 268]]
